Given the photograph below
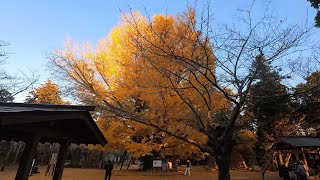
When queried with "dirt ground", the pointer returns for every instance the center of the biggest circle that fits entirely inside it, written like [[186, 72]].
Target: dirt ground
[[197, 173]]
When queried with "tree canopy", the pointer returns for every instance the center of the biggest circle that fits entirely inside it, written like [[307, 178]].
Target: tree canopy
[[148, 85], [48, 93], [308, 94], [179, 75], [5, 96]]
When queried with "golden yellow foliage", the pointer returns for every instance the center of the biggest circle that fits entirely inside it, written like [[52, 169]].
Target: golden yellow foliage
[[48, 93], [156, 72]]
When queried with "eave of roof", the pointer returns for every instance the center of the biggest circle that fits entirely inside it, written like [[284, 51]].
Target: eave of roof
[[19, 107], [298, 142], [8, 109]]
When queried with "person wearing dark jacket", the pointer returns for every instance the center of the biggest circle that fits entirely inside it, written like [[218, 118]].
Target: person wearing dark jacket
[[284, 172], [187, 172], [301, 171], [108, 167]]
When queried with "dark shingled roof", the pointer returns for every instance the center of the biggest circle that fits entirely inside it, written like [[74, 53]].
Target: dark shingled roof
[[21, 107], [295, 142], [52, 122]]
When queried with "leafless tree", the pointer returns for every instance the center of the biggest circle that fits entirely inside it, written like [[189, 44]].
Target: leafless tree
[[13, 84]]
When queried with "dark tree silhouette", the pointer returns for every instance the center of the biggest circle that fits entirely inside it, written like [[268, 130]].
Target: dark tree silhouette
[[316, 4], [5, 96]]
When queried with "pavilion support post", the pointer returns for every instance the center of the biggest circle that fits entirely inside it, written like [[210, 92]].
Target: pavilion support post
[[305, 159], [62, 155], [297, 155], [26, 159], [288, 157], [280, 158]]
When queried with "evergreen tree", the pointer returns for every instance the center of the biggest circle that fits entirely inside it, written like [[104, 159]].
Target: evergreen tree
[[269, 100], [269, 104], [316, 4], [5, 96], [308, 99]]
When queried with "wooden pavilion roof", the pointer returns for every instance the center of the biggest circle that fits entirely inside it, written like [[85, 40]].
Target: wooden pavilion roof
[[53, 123], [297, 142]]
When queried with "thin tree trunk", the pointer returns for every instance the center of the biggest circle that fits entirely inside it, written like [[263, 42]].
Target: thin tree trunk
[[123, 158], [19, 151], [129, 163], [7, 157], [262, 175], [253, 158], [264, 169], [4, 161]]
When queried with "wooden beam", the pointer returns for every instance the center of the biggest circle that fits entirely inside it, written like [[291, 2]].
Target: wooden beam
[[61, 160], [26, 159], [45, 116], [54, 132]]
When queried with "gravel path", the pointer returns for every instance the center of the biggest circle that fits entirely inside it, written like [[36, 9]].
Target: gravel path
[[197, 173]]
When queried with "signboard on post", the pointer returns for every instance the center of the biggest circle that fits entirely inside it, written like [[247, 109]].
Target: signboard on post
[[157, 163]]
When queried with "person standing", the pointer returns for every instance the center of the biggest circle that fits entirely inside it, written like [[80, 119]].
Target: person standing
[[187, 171], [108, 167], [284, 172], [301, 171], [169, 165], [164, 169]]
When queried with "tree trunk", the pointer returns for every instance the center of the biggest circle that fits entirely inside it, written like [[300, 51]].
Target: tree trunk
[[262, 175], [223, 159], [264, 169], [123, 159], [222, 141], [19, 150], [223, 165], [129, 163]]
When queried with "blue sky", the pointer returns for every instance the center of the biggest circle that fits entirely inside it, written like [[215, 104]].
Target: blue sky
[[35, 27]]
